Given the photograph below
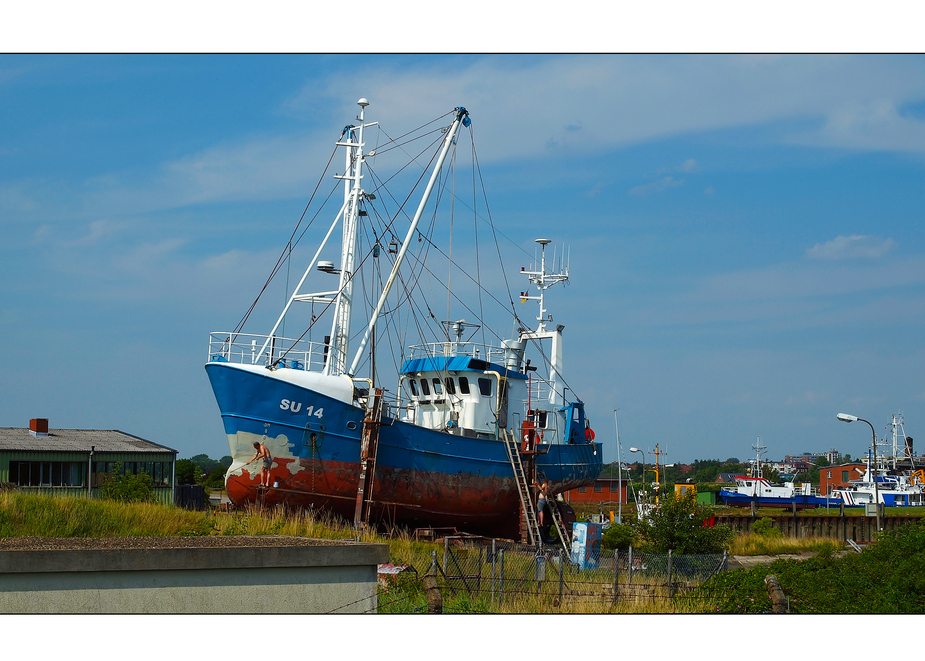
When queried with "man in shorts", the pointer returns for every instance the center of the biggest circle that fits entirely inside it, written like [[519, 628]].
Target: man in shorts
[[541, 498], [266, 458]]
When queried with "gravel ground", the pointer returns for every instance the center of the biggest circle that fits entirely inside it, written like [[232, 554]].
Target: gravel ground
[[123, 543]]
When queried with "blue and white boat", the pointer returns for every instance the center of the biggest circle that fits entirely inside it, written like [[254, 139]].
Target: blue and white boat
[[435, 451], [756, 489], [891, 480]]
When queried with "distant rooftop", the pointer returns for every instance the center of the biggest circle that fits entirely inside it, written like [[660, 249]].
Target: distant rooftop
[[75, 440]]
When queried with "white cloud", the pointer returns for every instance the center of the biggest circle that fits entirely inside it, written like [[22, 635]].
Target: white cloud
[[97, 230], [521, 105], [663, 184], [528, 107], [851, 247]]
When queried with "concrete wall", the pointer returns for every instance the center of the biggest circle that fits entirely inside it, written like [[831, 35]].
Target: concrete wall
[[329, 578]]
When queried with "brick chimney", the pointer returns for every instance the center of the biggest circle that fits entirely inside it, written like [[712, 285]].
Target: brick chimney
[[38, 426]]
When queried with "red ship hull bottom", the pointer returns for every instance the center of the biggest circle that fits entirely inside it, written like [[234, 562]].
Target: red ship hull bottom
[[401, 498]]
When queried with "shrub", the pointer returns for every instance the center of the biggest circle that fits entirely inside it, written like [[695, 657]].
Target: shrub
[[677, 524], [765, 528], [127, 488], [618, 536]]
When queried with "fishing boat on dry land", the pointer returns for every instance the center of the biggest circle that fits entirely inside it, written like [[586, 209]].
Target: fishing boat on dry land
[[477, 410], [758, 490]]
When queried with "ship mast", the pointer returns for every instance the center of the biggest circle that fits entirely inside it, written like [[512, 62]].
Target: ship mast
[[352, 139], [462, 118], [353, 176], [544, 281], [759, 449]]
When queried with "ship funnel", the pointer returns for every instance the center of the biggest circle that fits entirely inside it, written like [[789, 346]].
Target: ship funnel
[[514, 354]]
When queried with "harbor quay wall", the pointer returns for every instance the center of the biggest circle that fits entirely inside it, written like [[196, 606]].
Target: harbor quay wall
[[841, 527], [298, 578]]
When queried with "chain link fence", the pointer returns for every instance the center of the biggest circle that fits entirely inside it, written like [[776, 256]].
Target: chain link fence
[[491, 576]]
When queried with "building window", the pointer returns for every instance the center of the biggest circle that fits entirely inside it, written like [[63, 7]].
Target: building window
[[582, 489], [845, 476], [598, 487], [828, 474], [47, 474]]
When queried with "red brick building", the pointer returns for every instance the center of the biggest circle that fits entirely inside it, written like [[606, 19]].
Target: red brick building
[[838, 477], [604, 490]]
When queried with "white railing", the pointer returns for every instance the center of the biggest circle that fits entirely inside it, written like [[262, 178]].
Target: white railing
[[540, 389], [484, 352], [244, 348]]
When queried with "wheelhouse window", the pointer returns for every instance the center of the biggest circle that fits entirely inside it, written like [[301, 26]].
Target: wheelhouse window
[[437, 387], [425, 389], [464, 385], [450, 385], [412, 384], [485, 387]]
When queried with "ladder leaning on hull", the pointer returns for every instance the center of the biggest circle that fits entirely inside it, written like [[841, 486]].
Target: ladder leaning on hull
[[528, 518], [529, 522], [369, 449]]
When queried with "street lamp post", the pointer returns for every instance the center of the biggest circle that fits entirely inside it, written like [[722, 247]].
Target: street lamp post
[[616, 426], [643, 465], [844, 417]]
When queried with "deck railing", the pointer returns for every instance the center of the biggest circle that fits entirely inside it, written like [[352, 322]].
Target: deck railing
[[245, 349]]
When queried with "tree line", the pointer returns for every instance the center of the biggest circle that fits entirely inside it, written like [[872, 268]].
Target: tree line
[[201, 469]]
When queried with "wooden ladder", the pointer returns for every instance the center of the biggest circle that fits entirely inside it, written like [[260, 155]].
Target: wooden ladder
[[369, 449], [528, 522]]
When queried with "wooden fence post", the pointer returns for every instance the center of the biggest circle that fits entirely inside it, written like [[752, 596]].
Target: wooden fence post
[[778, 598], [432, 592]]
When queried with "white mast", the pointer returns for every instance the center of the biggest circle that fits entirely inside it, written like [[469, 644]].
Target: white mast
[[899, 438], [758, 448], [544, 281], [340, 327]]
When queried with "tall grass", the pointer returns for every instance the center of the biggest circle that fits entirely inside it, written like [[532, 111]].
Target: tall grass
[[752, 544], [28, 515]]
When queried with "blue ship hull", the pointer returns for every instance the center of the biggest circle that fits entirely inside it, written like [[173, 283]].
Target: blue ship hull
[[423, 477], [802, 501]]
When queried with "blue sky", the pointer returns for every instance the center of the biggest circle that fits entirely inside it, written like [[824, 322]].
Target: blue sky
[[745, 231]]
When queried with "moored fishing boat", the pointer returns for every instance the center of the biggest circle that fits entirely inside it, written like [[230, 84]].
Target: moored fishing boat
[[756, 490], [443, 449]]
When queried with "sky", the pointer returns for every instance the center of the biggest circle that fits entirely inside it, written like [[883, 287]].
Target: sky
[[745, 231]]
